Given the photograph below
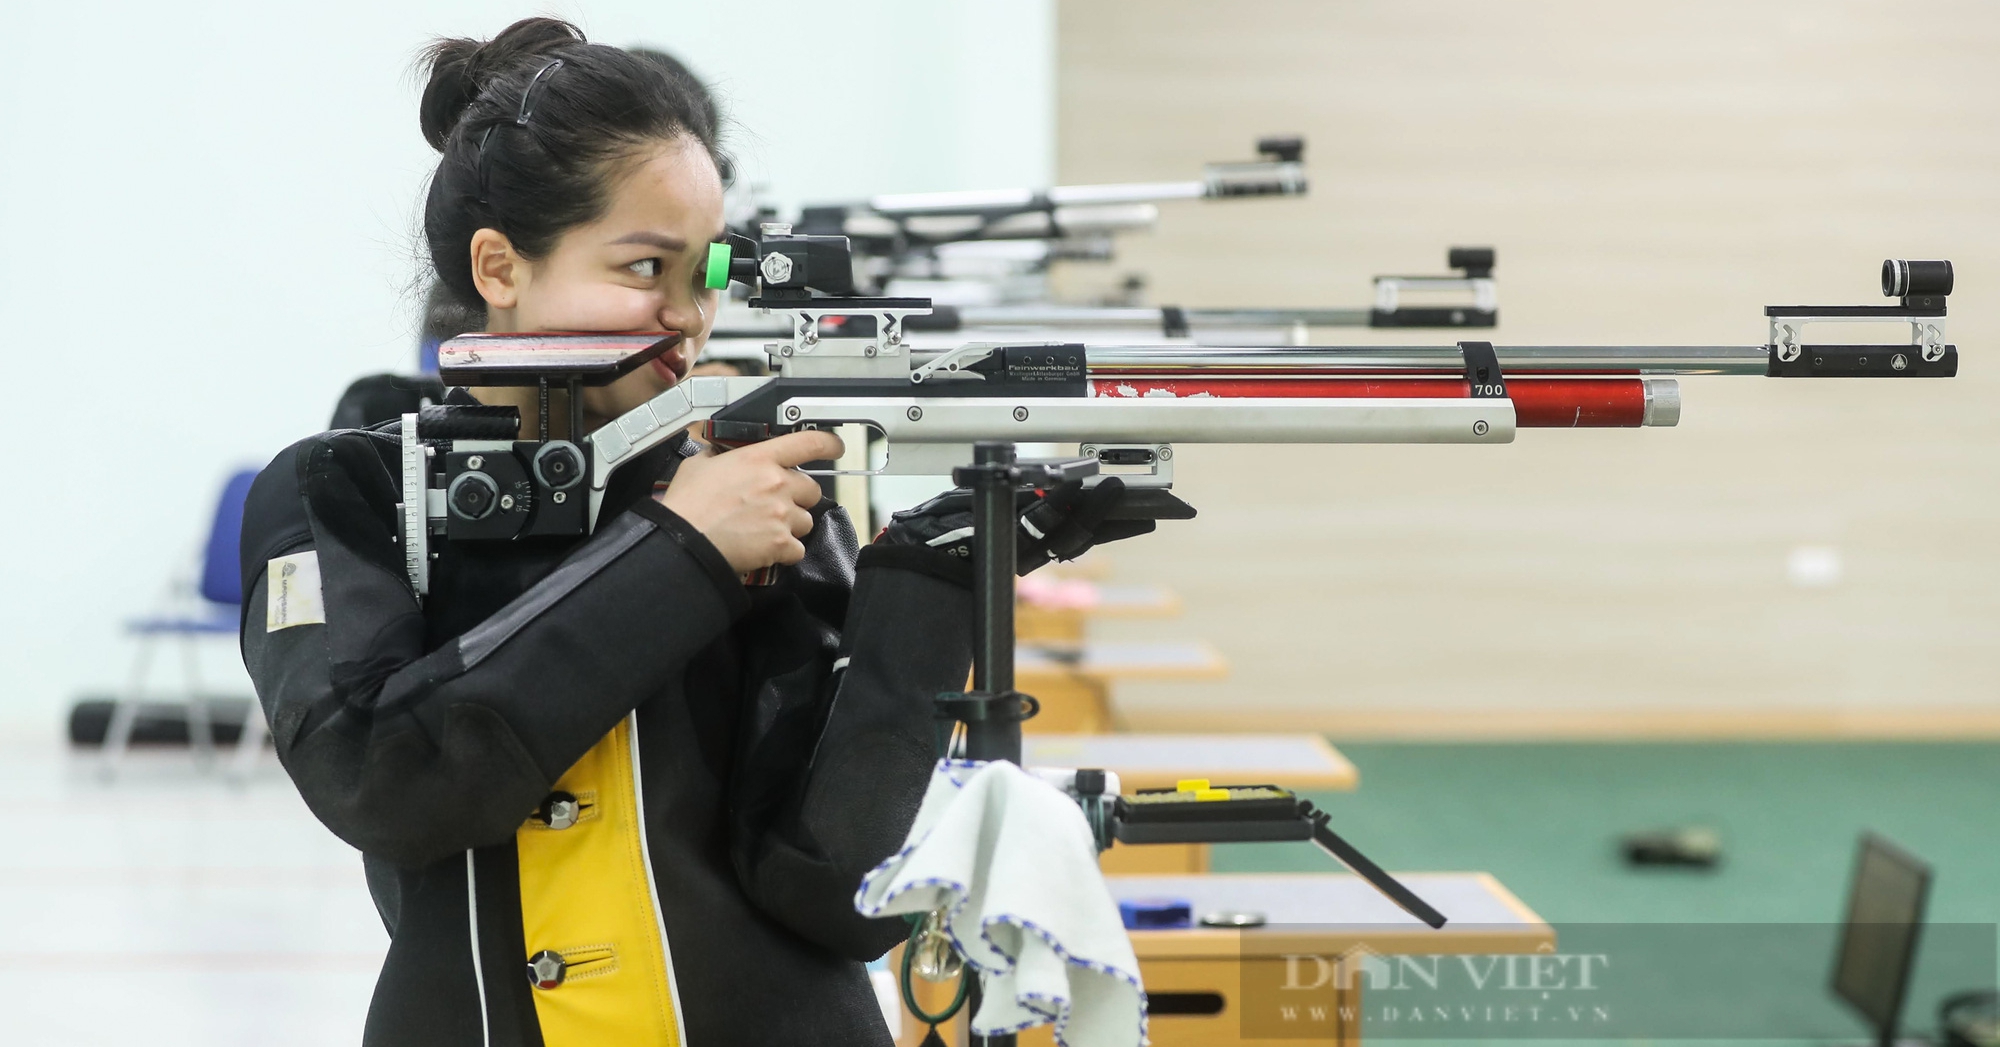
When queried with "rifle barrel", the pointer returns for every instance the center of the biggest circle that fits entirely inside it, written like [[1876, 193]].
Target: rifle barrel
[[1002, 201], [1084, 317], [1107, 361]]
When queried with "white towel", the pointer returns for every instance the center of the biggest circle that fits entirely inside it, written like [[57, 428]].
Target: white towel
[[1014, 860]]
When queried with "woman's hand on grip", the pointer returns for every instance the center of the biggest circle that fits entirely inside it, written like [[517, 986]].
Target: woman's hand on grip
[[751, 503]]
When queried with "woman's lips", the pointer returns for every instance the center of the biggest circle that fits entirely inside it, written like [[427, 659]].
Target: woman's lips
[[670, 366]]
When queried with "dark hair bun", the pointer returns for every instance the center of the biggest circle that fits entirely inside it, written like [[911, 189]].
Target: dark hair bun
[[460, 69]]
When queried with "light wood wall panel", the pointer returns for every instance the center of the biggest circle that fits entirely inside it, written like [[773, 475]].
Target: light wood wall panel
[[1650, 173]]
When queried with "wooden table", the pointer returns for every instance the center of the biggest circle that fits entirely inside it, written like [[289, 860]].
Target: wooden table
[[1324, 923], [1040, 623], [1155, 761], [1323, 928], [1073, 681], [1158, 761]]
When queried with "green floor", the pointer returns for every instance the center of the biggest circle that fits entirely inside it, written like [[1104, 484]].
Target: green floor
[[1545, 818]]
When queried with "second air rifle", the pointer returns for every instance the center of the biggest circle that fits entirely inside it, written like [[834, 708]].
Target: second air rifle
[[897, 223]]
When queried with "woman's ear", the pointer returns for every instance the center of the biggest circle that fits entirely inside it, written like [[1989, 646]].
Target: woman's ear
[[497, 269]]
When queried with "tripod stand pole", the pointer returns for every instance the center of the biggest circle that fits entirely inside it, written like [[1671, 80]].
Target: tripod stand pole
[[997, 734]]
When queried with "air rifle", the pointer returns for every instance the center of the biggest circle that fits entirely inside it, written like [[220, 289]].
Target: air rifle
[[468, 477], [1478, 307], [1474, 280], [897, 223], [911, 235], [983, 242]]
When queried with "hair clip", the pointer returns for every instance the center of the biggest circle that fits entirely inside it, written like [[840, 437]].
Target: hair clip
[[521, 117], [528, 93]]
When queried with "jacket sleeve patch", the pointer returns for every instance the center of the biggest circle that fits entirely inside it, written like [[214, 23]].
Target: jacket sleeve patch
[[294, 592]]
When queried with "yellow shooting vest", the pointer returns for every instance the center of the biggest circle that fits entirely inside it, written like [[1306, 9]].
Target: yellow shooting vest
[[587, 894]]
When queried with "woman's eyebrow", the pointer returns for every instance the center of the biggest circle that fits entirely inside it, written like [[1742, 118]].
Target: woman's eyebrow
[[663, 241]]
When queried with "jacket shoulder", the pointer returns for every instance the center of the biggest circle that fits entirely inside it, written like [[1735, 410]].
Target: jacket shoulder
[[348, 478]]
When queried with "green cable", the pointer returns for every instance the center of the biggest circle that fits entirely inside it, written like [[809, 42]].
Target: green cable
[[910, 994], [716, 276]]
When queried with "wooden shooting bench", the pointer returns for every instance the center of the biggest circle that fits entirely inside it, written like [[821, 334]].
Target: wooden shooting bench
[[1300, 978], [1300, 762], [1073, 681], [1069, 604]]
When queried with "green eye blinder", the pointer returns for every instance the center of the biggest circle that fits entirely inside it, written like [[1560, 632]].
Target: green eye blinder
[[716, 276]]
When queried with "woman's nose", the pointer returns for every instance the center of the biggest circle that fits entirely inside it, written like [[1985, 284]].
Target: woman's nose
[[690, 318]]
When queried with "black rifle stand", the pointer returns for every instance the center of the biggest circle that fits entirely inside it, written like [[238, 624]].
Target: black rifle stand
[[992, 711]]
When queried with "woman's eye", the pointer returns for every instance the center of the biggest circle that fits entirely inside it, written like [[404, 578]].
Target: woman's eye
[[646, 267]]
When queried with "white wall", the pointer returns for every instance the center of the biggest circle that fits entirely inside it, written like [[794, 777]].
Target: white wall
[[207, 212], [1651, 174]]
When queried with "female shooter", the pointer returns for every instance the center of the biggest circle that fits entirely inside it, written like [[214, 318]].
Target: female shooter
[[605, 792]]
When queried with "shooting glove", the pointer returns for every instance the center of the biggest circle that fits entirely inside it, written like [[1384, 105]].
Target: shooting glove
[[1061, 523]]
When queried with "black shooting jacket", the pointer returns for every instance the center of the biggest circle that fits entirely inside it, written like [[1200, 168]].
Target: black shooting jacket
[[734, 759]]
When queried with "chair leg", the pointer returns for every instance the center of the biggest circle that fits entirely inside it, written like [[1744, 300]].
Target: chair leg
[[125, 711], [201, 729], [249, 744]]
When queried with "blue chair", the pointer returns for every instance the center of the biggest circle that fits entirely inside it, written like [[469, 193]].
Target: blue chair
[[214, 610]]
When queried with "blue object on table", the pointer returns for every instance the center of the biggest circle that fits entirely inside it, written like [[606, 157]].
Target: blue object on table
[[1155, 914]]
